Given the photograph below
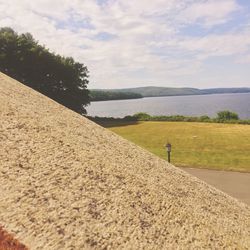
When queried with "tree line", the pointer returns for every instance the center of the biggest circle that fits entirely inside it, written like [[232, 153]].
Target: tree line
[[58, 77], [101, 95], [224, 116]]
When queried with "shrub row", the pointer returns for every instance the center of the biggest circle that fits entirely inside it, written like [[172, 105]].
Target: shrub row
[[222, 117]]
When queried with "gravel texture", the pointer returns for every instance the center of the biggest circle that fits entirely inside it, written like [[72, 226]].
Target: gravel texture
[[67, 183]]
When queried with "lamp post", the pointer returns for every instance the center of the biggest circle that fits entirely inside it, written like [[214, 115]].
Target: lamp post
[[168, 147]]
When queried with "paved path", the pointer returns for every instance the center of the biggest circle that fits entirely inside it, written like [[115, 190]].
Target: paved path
[[235, 184]]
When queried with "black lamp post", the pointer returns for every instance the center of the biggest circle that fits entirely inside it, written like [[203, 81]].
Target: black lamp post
[[168, 147]]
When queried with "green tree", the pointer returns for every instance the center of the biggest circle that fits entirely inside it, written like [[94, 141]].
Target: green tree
[[142, 116], [204, 118], [103, 95], [227, 115], [60, 78]]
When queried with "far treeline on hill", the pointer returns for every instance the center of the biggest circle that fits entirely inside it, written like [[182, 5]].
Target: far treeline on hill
[[106, 94], [98, 95]]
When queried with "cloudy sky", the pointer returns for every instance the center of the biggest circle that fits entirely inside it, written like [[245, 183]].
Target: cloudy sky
[[126, 43]]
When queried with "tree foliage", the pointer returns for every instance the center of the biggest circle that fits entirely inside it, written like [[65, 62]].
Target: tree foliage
[[227, 115], [110, 121], [101, 95], [60, 78], [142, 116]]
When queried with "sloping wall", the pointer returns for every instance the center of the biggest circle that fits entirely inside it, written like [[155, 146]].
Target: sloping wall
[[67, 183]]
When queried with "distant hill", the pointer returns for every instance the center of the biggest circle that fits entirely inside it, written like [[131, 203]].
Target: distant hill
[[103, 95], [225, 90], [151, 91]]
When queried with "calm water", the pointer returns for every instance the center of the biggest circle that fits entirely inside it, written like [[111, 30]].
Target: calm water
[[195, 105]]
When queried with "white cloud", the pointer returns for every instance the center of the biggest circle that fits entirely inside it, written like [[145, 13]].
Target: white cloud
[[210, 12], [243, 59], [218, 45], [147, 44]]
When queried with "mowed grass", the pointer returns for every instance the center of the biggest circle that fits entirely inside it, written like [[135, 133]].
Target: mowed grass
[[201, 145]]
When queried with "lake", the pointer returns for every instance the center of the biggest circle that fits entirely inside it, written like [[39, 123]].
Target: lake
[[195, 105]]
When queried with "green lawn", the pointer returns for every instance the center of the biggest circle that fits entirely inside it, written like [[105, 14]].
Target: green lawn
[[201, 145]]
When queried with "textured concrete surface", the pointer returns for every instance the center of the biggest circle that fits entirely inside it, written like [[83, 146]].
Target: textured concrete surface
[[67, 183], [235, 184]]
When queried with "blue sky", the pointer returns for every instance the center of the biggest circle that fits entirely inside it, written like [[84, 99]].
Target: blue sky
[[176, 43]]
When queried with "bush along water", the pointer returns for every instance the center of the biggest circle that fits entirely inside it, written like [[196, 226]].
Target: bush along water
[[222, 117]]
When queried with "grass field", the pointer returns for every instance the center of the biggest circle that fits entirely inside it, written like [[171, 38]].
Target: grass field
[[201, 145]]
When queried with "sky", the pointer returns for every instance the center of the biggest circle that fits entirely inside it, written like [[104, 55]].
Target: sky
[[125, 43]]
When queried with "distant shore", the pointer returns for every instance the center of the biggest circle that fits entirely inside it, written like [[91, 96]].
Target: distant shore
[[173, 118], [141, 92]]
